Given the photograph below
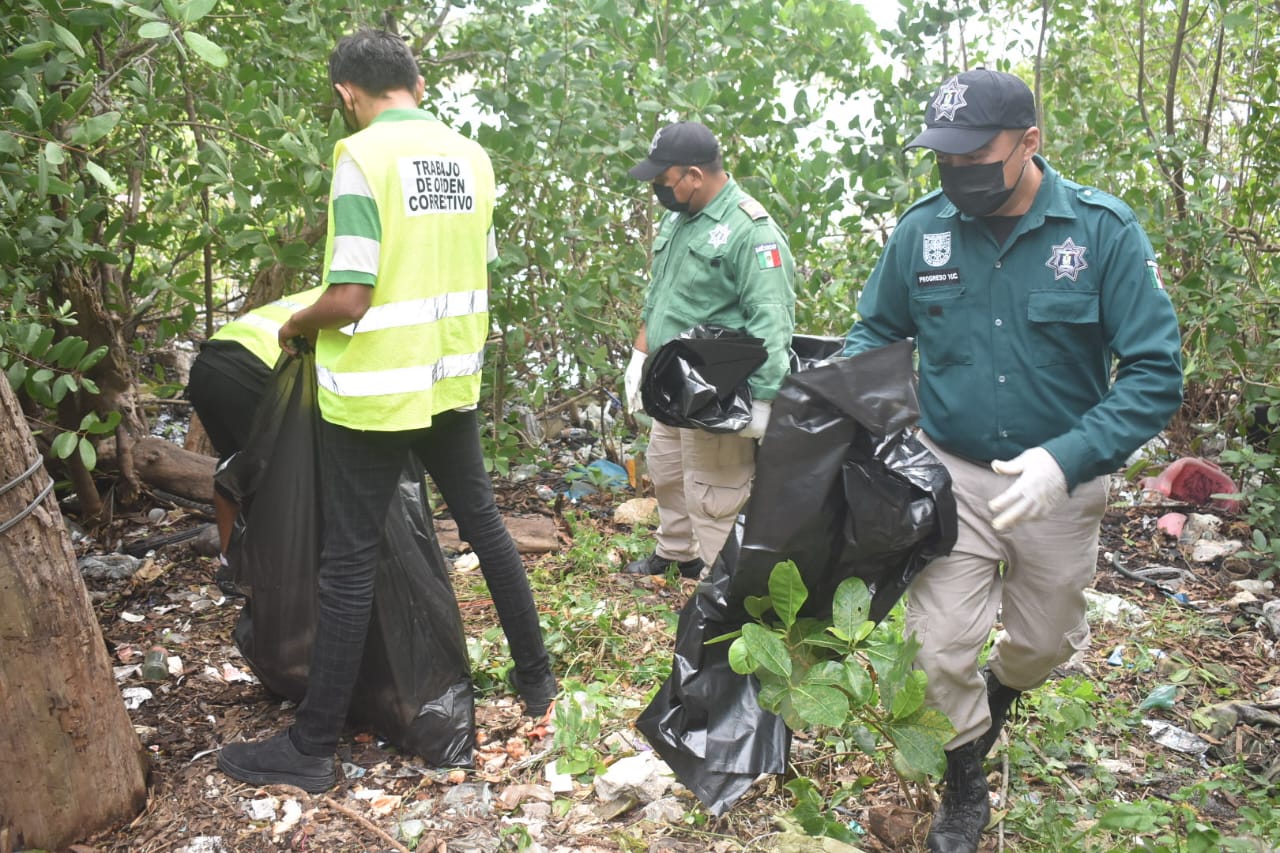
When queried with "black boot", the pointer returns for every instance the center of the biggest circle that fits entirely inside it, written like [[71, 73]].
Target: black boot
[[999, 699], [965, 809]]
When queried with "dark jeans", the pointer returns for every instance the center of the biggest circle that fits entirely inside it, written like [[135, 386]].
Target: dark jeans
[[359, 473]]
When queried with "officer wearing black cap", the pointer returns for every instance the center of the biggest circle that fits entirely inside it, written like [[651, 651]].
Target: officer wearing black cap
[[717, 259], [1048, 352]]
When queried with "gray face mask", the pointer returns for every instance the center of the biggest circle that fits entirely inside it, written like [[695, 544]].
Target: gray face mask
[[979, 190]]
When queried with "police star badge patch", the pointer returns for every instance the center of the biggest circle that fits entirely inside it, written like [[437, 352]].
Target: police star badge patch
[[950, 98], [1067, 260], [718, 236]]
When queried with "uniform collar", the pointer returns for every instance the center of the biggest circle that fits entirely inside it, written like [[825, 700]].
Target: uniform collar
[[1053, 199], [401, 115], [719, 206]]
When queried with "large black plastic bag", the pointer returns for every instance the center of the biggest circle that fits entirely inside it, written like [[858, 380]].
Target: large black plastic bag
[[414, 685], [699, 379], [842, 490]]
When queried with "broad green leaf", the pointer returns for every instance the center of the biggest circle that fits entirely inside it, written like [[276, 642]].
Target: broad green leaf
[[65, 444], [827, 672], [767, 649], [921, 739], [88, 455], [101, 427], [820, 705], [68, 39], [205, 49], [154, 30], [1134, 817], [62, 386], [101, 176], [193, 11], [757, 605], [786, 589], [53, 154], [30, 51], [740, 660], [858, 682], [17, 372], [910, 696], [849, 608], [95, 127]]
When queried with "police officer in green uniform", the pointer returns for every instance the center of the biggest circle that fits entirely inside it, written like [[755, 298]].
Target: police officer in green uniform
[[717, 259], [1048, 352]]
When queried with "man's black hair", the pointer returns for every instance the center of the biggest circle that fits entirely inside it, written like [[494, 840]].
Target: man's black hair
[[376, 61]]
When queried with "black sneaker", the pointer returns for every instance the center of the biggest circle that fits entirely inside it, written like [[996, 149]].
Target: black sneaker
[[276, 761], [538, 692], [655, 565]]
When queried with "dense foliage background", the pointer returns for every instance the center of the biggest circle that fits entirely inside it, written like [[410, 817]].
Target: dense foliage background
[[164, 165]]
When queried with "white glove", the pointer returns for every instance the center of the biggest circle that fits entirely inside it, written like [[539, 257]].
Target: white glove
[[760, 411], [631, 381], [1040, 487]]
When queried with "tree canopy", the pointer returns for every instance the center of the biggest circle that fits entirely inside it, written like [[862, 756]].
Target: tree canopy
[[164, 165]]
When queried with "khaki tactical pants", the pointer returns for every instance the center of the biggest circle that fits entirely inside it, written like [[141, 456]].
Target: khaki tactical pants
[[1039, 597], [701, 480]]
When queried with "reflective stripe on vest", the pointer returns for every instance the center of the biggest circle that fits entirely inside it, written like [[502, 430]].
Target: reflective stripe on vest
[[400, 380], [414, 312], [259, 330]]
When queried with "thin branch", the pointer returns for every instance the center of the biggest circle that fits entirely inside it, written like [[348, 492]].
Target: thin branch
[[200, 125]]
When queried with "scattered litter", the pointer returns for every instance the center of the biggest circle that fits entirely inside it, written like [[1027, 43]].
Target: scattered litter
[[231, 674], [545, 492], [1256, 587], [409, 830], [468, 562], [123, 673], [637, 511], [1194, 480], [470, 799], [1271, 615], [108, 566], [134, 697], [131, 617], [1116, 658], [204, 844], [1172, 737], [642, 778], [1172, 524], [1208, 550], [1112, 609], [292, 814], [1162, 698], [352, 771], [561, 783], [262, 809]]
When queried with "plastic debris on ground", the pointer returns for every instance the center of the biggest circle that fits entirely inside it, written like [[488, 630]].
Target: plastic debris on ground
[[1177, 739], [1194, 480]]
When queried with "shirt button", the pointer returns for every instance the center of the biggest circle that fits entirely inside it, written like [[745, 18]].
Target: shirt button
[[999, 322], [1004, 433], [998, 264], [1000, 380]]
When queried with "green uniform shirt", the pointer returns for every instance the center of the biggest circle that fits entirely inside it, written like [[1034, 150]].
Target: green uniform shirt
[[1017, 343], [728, 265]]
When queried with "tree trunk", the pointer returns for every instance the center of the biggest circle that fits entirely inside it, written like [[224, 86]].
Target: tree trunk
[[69, 758]]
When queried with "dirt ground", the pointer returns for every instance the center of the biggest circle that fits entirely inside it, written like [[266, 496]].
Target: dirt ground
[[503, 799]]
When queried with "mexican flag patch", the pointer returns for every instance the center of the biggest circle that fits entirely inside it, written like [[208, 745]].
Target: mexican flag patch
[[1157, 281], [768, 256]]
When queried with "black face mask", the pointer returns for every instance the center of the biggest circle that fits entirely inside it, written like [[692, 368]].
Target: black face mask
[[978, 190], [667, 198]]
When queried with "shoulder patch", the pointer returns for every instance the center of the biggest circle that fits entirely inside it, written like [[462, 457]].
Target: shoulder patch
[[1095, 197], [753, 208]]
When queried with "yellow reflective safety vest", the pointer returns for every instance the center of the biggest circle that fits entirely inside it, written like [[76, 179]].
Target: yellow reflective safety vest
[[420, 347], [259, 330]]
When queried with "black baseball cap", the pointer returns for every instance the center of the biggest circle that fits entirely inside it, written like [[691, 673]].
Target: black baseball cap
[[969, 109], [685, 143]]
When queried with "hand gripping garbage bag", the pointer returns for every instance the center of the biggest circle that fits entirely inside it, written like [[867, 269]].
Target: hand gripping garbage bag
[[414, 685], [842, 490], [699, 379]]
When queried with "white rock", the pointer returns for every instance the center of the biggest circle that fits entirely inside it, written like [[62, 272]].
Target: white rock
[[1208, 550], [637, 511], [643, 777]]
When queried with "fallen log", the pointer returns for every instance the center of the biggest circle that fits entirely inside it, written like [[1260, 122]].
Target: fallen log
[[166, 466]]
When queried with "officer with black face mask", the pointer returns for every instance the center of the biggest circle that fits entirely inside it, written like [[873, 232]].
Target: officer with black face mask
[[1048, 352], [718, 258]]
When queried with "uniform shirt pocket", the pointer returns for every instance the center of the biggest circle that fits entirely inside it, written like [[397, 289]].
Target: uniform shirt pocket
[[943, 325], [1064, 325], [708, 280]]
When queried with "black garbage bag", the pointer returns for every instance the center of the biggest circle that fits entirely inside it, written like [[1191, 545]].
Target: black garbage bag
[[842, 490], [810, 350], [414, 685], [699, 379]]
